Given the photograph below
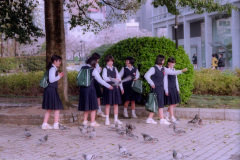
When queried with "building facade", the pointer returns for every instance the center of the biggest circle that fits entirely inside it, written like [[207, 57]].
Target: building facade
[[203, 34]]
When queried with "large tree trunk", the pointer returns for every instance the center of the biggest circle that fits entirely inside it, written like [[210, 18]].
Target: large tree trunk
[[55, 42], [176, 30], [1, 45]]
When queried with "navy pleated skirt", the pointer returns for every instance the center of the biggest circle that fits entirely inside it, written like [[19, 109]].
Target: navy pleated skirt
[[160, 96], [51, 99], [88, 99], [98, 89], [173, 97], [129, 94], [111, 96]]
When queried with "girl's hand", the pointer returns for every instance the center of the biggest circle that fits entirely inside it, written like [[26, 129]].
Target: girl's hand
[[100, 68], [178, 91], [135, 79], [61, 74], [111, 87], [184, 70], [153, 86], [117, 79], [166, 94], [122, 91]]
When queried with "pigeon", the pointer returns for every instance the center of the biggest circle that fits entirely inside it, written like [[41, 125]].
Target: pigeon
[[27, 133], [130, 127], [120, 132], [44, 139], [148, 138], [194, 120], [114, 127], [83, 131], [117, 83], [89, 129], [178, 131], [89, 156], [200, 122], [172, 124], [124, 151], [130, 134], [178, 155], [62, 127], [92, 134]]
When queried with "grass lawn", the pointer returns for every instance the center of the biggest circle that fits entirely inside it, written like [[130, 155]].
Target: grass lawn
[[196, 101]]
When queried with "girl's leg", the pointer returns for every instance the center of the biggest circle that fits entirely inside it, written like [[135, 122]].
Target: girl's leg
[[160, 114], [45, 125], [56, 119], [99, 112], [116, 120], [85, 116], [47, 115], [133, 109], [125, 113], [171, 109], [107, 111], [93, 115]]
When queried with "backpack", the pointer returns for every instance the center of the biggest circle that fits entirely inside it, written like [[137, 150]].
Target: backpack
[[84, 77], [44, 81]]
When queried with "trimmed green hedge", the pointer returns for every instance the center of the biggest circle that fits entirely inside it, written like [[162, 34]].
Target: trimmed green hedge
[[29, 63], [207, 81], [144, 50], [215, 82]]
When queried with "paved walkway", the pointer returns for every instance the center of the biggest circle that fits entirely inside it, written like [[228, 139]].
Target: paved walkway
[[216, 140]]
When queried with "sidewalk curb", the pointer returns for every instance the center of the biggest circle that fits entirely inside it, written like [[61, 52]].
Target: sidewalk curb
[[77, 117]]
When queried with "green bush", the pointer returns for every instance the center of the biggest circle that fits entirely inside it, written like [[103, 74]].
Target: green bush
[[29, 63], [216, 82], [144, 50], [102, 49]]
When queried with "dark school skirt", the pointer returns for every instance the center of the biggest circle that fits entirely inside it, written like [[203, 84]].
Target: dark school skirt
[[160, 96], [51, 99], [88, 99], [98, 89], [129, 94], [173, 97], [111, 96]]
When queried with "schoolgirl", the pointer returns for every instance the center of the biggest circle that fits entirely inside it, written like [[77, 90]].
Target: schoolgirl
[[111, 97], [88, 96], [129, 95], [154, 77], [51, 100], [171, 88], [97, 86]]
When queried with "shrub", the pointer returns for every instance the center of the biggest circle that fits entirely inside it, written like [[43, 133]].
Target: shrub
[[215, 82], [144, 50], [102, 49], [29, 63]]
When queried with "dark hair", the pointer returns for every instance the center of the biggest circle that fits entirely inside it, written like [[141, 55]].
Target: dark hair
[[131, 60], [92, 62], [53, 58], [221, 54], [159, 59], [170, 60], [96, 55], [109, 58]]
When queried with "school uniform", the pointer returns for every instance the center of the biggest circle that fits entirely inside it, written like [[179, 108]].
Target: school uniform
[[51, 99], [96, 84], [111, 97], [129, 94], [88, 95], [171, 87], [155, 76]]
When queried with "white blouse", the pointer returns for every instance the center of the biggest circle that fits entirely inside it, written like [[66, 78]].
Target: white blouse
[[166, 81], [121, 73], [98, 68], [167, 71], [107, 79], [52, 74]]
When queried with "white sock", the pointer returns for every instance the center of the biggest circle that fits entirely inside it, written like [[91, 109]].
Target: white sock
[[125, 109], [99, 109], [133, 111], [44, 123], [115, 117], [107, 117]]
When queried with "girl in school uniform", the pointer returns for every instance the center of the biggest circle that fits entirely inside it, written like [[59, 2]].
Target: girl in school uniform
[[154, 77], [111, 97], [51, 100], [88, 96], [97, 86], [171, 88], [129, 95]]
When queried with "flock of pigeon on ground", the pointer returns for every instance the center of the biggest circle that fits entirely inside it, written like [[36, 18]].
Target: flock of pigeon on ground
[[90, 133]]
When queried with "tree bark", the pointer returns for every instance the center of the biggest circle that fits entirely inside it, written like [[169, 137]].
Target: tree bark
[[55, 42], [176, 30], [1, 45]]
